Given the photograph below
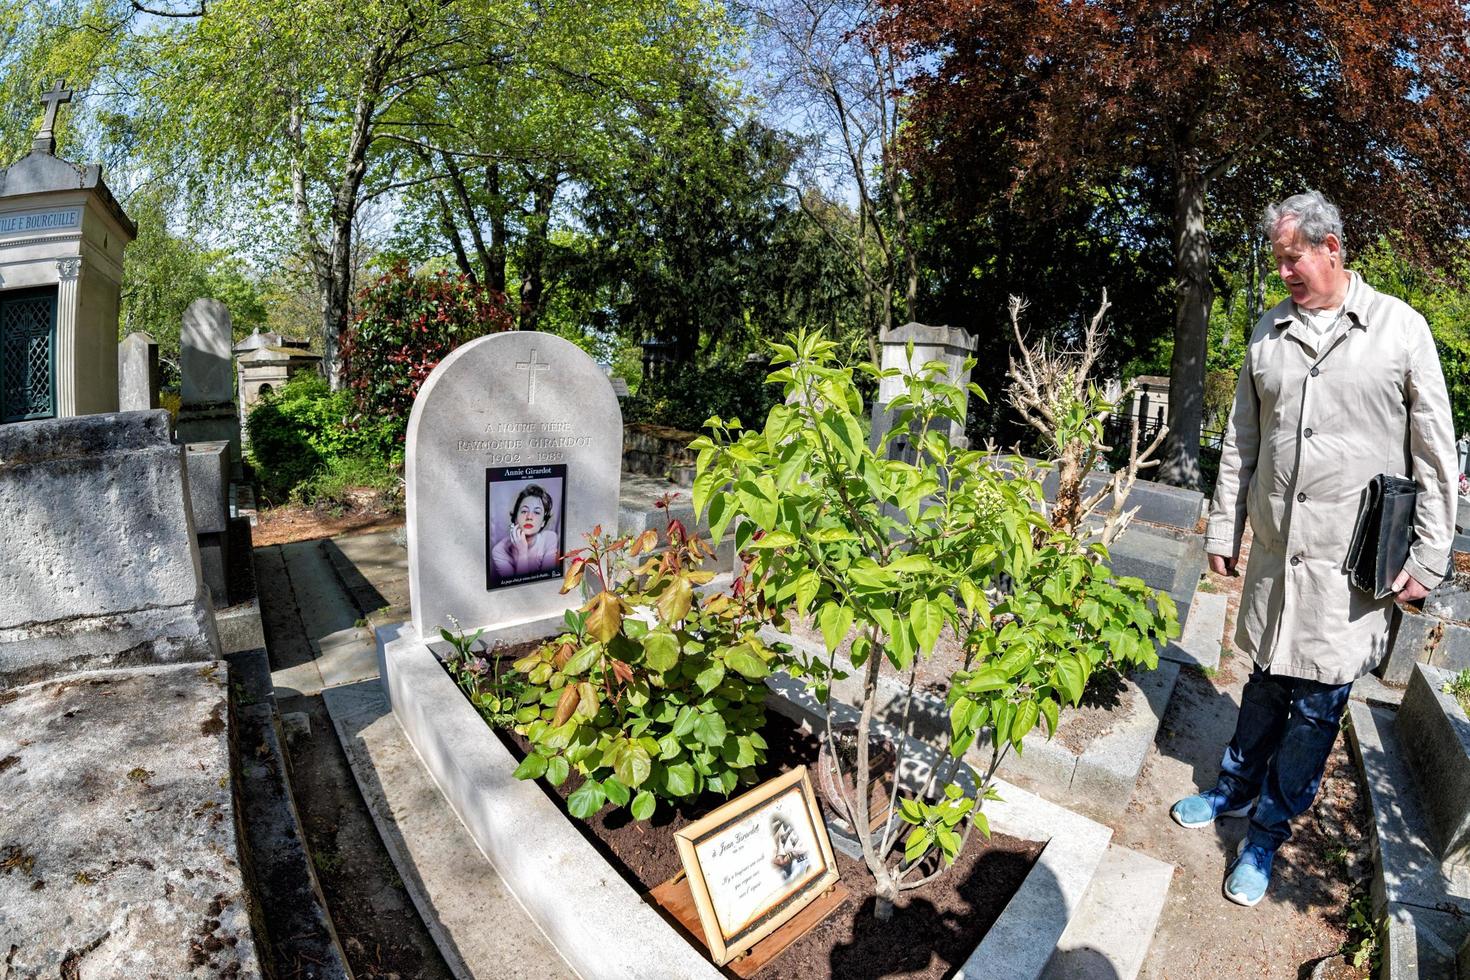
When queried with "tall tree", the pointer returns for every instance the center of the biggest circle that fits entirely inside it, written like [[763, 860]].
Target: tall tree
[[1364, 101]]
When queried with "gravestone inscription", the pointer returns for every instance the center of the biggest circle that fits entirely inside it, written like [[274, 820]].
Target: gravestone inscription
[[514, 453]]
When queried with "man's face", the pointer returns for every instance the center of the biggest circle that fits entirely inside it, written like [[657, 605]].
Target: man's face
[[1313, 273]]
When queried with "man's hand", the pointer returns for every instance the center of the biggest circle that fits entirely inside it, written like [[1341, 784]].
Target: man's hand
[[1409, 588], [1221, 565]]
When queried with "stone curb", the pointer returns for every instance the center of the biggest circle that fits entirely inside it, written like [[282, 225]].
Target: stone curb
[[1436, 739], [1204, 632], [1410, 887], [454, 888], [568, 889], [1099, 781]]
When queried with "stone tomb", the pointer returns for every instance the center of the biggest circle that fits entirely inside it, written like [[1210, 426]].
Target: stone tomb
[[207, 378], [500, 404], [61, 260]]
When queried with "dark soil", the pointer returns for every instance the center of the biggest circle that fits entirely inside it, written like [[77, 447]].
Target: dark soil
[[1105, 700], [294, 522], [933, 931]]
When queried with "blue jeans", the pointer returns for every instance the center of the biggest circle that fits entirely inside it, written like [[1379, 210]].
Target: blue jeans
[[1283, 737]]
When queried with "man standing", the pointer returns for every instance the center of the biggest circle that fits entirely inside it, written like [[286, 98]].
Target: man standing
[[1340, 383]]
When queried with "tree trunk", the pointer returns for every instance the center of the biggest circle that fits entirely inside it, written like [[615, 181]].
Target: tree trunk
[[495, 257], [538, 227], [1193, 296]]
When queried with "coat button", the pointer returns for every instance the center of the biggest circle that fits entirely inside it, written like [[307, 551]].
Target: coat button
[[1308, 433], [1315, 372], [1296, 559], [1301, 497]]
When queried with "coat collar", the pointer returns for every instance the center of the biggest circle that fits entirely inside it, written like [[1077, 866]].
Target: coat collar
[[1355, 306]]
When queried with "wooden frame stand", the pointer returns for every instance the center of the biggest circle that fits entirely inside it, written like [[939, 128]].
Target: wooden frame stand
[[675, 897]]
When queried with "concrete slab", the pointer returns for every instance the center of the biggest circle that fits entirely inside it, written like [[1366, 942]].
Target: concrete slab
[[1407, 870], [455, 889], [297, 934], [120, 856], [568, 889], [1201, 640], [1409, 641], [1435, 736], [1109, 937], [240, 627], [1452, 652], [1418, 944], [1370, 690], [346, 657]]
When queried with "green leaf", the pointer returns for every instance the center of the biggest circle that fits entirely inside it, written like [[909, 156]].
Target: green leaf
[[1071, 678], [806, 590], [679, 779], [834, 620], [1049, 712], [911, 563], [916, 844], [582, 660], [710, 677], [532, 766], [643, 805], [746, 662], [928, 621], [710, 729], [557, 770], [634, 766], [586, 800], [1026, 714], [617, 793], [660, 650]]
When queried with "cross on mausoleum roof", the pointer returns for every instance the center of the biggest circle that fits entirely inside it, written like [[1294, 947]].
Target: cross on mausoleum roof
[[46, 139]]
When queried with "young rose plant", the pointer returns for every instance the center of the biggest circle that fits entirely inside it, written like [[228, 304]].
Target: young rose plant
[[655, 691], [890, 553]]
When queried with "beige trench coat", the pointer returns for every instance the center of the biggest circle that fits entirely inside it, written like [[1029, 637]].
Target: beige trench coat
[[1316, 418]]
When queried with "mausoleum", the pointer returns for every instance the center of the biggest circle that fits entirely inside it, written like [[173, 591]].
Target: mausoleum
[[61, 263]]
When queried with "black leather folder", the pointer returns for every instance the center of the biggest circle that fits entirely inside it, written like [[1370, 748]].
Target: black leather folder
[[1383, 535]]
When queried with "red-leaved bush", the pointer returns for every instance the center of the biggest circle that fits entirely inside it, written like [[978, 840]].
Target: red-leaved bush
[[405, 325]]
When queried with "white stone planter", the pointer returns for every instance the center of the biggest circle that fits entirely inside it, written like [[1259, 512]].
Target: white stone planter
[[598, 923]]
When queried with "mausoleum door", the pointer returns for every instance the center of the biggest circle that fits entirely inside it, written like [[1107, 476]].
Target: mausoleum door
[[28, 354]]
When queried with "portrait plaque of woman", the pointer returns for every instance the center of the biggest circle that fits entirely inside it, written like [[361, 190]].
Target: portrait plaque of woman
[[523, 523]]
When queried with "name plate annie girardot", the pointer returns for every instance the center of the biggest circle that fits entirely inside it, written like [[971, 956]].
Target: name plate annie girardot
[[756, 862]]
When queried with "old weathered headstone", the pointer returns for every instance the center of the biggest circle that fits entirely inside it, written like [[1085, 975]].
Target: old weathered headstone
[[209, 502], [207, 377], [137, 373], [98, 566], [931, 343], [499, 416]]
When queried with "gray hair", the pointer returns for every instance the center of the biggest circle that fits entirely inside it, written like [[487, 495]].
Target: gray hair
[[1315, 216]]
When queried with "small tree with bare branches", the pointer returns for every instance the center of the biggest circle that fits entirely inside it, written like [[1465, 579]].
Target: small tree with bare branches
[[1052, 389]]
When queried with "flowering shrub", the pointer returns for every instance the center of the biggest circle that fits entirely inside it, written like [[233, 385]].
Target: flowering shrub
[[405, 326], [655, 692]]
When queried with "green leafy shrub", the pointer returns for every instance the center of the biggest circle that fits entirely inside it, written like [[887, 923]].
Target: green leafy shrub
[[655, 691], [888, 554], [301, 438], [1458, 687], [688, 395], [405, 326]]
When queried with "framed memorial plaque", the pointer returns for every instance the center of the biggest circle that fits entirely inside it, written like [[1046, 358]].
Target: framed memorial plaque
[[756, 862], [523, 523]]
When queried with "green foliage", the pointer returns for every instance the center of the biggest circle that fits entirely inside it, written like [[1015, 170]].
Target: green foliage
[[655, 691], [687, 395], [303, 446], [1363, 946], [404, 327], [497, 694], [1459, 688], [893, 553]]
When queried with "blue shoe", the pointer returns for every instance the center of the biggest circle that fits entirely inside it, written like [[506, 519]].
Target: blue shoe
[[1204, 809], [1250, 873]]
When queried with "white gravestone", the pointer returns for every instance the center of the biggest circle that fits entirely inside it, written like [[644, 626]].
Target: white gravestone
[[137, 373], [207, 375], [498, 417]]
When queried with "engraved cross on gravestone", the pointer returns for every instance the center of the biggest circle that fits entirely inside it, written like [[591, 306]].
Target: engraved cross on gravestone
[[531, 367], [46, 139]]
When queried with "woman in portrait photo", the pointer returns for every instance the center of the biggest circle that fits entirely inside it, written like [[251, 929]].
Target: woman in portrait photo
[[530, 545]]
